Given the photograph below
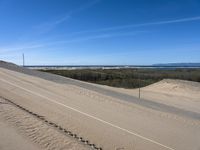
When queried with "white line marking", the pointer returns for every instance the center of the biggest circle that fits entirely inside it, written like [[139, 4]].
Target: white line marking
[[93, 117]]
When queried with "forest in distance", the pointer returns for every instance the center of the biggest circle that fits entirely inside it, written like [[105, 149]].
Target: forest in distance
[[128, 78]]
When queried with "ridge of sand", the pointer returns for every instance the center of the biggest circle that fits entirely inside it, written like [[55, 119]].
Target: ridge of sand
[[178, 93], [176, 87], [40, 136]]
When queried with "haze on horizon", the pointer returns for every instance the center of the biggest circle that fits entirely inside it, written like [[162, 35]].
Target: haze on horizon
[[99, 32]]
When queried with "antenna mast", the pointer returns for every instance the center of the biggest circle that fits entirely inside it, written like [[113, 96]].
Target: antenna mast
[[23, 59]]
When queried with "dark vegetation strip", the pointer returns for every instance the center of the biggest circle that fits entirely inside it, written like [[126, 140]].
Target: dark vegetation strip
[[128, 78]]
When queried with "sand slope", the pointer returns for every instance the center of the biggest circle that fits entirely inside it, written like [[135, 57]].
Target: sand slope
[[21, 131], [105, 118], [177, 88], [10, 139], [178, 93]]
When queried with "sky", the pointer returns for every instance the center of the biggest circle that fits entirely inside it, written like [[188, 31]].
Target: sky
[[99, 32]]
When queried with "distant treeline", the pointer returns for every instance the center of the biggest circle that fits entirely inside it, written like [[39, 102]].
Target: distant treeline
[[128, 78]]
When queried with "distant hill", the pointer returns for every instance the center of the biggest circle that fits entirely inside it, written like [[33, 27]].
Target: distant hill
[[179, 64]]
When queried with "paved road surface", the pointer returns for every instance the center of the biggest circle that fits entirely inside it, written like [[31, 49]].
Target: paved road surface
[[125, 97], [106, 123]]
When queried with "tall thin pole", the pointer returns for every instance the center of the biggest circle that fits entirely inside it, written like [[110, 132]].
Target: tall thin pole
[[139, 89], [23, 59]]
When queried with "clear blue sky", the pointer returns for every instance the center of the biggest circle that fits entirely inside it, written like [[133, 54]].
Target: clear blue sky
[[94, 32]]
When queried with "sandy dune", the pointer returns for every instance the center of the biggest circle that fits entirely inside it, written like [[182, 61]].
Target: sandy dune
[[101, 114], [21, 131], [10, 139], [178, 93]]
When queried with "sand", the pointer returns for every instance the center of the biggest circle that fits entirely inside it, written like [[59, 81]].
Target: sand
[[100, 115], [10, 139], [178, 93], [21, 131]]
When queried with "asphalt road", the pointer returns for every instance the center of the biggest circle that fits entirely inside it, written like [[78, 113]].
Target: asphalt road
[[140, 125], [125, 97]]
